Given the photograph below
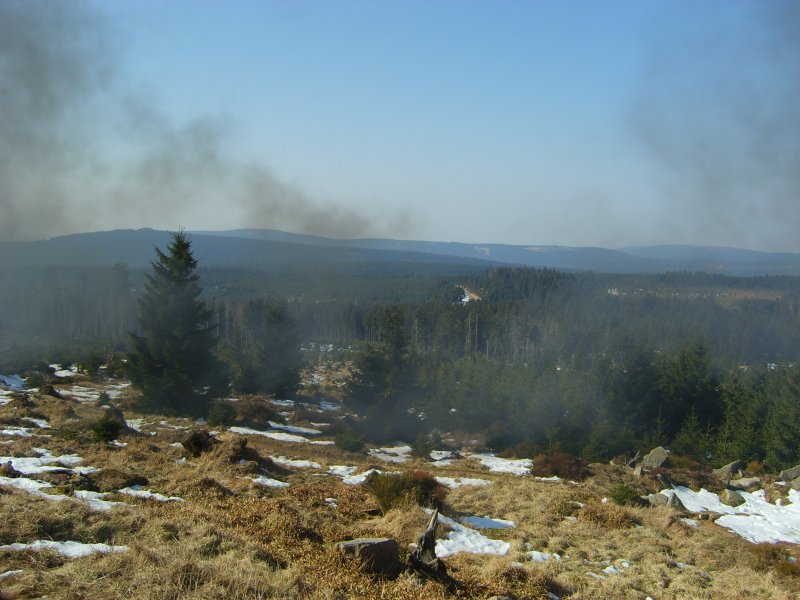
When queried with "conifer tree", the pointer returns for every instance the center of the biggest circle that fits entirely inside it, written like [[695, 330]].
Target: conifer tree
[[172, 359]]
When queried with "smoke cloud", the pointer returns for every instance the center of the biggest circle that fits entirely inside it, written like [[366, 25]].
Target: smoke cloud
[[79, 151], [720, 113]]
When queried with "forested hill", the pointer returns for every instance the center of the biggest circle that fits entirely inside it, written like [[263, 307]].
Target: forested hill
[[638, 259], [135, 249], [266, 248]]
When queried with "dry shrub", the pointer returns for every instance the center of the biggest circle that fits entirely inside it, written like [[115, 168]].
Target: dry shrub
[[774, 558], [484, 577], [419, 487], [255, 411], [606, 514], [754, 468], [566, 466]]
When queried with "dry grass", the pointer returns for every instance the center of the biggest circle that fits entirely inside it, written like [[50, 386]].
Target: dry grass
[[233, 539]]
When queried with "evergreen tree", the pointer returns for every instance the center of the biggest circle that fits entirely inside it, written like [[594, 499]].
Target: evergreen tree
[[172, 360]]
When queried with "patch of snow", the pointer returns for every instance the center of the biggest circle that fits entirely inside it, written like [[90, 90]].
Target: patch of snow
[[325, 405], [269, 482], [81, 394], [32, 486], [10, 573], [331, 502], [296, 462], [537, 556], [67, 549], [457, 482], [17, 431], [756, 520], [394, 454], [176, 445], [95, 500], [690, 523], [12, 382], [282, 402], [346, 473], [521, 466], [41, 464], [594, 575], [294, 428], [135, 424], [487, 523], [464, 539], [117, 443], [136, 490], [437, 455], [40, 423], [551, 479]]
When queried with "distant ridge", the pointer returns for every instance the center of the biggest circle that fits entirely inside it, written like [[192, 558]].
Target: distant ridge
[[262, 248]]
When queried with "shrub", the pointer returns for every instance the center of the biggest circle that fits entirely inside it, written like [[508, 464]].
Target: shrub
[[608, 515], [253, 411], [103, 399], [769, 557], [107, 428], [624, 495], [348, 440], [566, 466], [394, 489], [221, 412], [34, 379]]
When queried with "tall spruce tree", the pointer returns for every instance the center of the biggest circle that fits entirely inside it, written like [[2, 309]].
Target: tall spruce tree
[[172, 359]]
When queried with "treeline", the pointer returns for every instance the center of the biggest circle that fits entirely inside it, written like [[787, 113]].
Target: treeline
[[615, 403]]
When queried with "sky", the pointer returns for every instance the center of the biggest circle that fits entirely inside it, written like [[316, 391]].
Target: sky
[[582, 123]]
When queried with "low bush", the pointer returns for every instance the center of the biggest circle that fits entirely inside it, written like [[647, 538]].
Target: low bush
[[624, 495], [107, 428], [348, 440], [606, 514], [255, 411], [221, 412], [566, 466], [395, 489]]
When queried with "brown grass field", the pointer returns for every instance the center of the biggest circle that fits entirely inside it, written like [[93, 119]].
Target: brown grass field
[[231, 538]]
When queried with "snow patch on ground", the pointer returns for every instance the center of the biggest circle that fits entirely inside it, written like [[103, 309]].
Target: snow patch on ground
[[44, 462], [294, 428], [521, 466], [347, 474], [487, 523], [756, 520], [94, 500], [537, 556], [395, 454], [12, 382], [17, 431], [295, 462], [269, 482], [67, 549], [136, 490], [464, 539], [457, 482], [280, 436]]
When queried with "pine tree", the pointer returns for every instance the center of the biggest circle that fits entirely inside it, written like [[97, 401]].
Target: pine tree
[[172, 359]]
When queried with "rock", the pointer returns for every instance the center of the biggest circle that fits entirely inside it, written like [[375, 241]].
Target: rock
[[790, 474], [745, 483], [375, 555], [730, 471], [8, 470], [657, 457], [198, 442], [664, 500], [731, 498], [638, 471], [795, 484]]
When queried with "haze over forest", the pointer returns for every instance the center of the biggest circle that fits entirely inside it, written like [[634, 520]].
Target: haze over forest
[[584, 124]]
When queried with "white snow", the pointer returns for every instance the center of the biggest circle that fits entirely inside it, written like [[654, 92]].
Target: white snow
[[136, 490], [457, 482], [68, 549], [280, 436], [756, 520], [487, 523], [43, 463], [537, 556], [60, 372], [12, 382], [552, 479], [135, 424], [394, 454], [32, 486], [294, 428], [95, 500], [437, 455], [17, 431], [346, 473], [295, 462], [282, 402], [464, 539], [520, 466], [82, 394], [40, 423], [325, 405], [269, 482], [10, 573]]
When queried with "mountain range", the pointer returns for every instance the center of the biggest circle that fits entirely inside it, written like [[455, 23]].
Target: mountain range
[[260, 248]]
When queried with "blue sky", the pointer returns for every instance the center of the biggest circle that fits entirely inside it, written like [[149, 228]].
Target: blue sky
[[576, 123]]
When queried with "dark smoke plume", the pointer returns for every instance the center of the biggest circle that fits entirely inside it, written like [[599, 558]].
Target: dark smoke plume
[[79, 151], [720, 111]]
